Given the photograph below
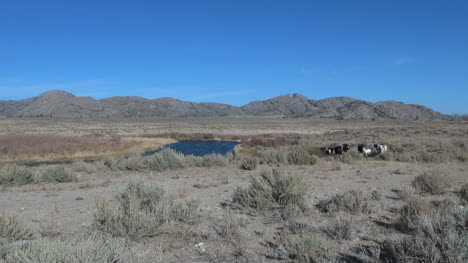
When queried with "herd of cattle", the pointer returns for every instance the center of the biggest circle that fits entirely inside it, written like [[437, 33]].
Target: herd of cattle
[[339, 150]]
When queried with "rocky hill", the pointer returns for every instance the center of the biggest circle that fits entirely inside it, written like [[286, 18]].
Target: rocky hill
[[61, 104]]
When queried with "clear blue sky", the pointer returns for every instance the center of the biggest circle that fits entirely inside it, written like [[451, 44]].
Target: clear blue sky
[[236, 51]]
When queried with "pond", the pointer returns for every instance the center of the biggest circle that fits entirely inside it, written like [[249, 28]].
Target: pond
[[200, 148]]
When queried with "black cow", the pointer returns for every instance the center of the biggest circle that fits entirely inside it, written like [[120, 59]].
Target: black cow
[[339, 150], [346, 147], [360, 148]]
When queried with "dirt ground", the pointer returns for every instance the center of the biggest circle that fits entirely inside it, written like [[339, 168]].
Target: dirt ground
[[69, 207]]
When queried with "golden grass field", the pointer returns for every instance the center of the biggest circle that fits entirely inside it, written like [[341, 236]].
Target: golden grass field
[[277, 198]]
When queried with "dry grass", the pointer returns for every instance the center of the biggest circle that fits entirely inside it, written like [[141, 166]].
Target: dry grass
[[36, 148]]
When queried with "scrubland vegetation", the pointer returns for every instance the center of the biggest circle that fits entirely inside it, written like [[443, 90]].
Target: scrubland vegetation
[[276, 198]]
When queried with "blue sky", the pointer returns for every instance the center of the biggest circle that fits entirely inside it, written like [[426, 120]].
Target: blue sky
[[238, 51]]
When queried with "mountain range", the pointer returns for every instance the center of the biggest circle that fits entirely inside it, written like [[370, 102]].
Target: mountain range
[[62, 104]]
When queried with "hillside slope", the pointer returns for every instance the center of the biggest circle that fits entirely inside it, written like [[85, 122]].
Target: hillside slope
[[61, 104]]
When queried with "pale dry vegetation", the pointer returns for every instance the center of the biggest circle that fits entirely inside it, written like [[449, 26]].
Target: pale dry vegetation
[[272, 189], [38, 148], [142, 211]]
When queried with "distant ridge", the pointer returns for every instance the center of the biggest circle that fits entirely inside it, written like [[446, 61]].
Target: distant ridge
[[62, 104]]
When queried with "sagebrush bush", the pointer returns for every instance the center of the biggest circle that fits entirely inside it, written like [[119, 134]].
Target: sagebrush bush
[[229, 226], [11, 229], [464, 192], [352, 201], [439, 237], [270, 189], [304, 248], [248, 163], [56, 174], [164, 160], [314, 159], [299, 157], [87, 167], [12, 174], [193, 161], [412, 212], [214, 160], [351, 157], [141, 211], [341, 228], [274, 156], [86, 250], [129, 163], [432, 182]]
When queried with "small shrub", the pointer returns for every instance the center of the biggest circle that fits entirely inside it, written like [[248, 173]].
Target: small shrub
[[91, 249], [86, 167], [164, 160], [214, 160], [351, 157], [193, 161], [249, 163], [314, 159], [56, 174], [275, 156], [270, 189], [352, 201], [412, 212], [307, 247], [376, 195], [386, 156], [341, 228], [464, 192], [229, 226], [402, 157], [129, 163], [11, 229], [431, 182], [141, 211], [441, 237], [12, 174], [299, 157]]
